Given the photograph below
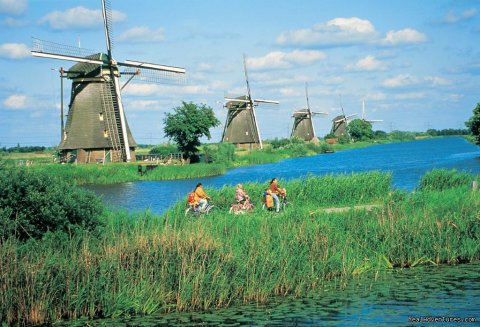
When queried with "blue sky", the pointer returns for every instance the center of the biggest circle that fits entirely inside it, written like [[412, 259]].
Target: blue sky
[[415, 63]]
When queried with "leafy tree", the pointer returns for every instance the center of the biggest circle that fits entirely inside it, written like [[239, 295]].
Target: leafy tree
[[188, 124], [473, 124], [360, 129]]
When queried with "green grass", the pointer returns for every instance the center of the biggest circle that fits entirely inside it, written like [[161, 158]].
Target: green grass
[[145, 263]]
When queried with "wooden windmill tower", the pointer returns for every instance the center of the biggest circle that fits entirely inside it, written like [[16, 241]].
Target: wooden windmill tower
[[340, 123], [96, 128], [302, 121], [241, 127]]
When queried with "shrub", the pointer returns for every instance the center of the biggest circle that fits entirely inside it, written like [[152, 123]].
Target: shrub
[[164, 149], [33, 204], [219, 153], [443, 179]]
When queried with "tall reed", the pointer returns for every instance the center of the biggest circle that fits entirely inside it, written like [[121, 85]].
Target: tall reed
[[145, 263]]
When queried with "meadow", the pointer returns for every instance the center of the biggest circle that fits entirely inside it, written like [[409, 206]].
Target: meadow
[[143, 263]]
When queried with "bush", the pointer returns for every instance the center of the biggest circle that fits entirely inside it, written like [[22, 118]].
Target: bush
[[443, 179], [33, 204], [219, 153], [164, 149]]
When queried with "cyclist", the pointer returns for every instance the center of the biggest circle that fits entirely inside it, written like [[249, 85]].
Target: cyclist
[[201, 197], [276, 192]]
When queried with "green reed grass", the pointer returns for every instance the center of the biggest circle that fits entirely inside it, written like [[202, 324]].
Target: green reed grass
[[145, 263]]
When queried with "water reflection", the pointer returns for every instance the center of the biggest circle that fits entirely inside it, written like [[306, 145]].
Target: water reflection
[[393, 299]]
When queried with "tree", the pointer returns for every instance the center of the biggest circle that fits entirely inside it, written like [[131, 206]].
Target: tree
[[473, 124], [360, 129], [188, 124]]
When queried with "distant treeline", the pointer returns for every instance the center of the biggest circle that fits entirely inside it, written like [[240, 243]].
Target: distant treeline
[[448, 131], [23, 149]]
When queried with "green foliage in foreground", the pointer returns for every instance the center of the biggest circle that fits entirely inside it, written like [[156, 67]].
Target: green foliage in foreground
[[34, 204], [443, 179], [144, 263]]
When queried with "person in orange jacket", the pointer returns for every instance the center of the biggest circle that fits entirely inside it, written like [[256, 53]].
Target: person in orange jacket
[[201, 197], [276, 192]]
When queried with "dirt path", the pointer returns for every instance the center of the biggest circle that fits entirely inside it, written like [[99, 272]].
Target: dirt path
[[367, 207]]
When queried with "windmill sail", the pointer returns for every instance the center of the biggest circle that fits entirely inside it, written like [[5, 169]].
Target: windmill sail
[[241, 127], [96, 127], [302, 121]]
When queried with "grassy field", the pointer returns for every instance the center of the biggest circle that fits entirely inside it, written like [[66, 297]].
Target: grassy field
[[144, 263]]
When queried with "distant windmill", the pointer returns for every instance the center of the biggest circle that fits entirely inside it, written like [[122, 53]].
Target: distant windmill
[[96, 128], [241, 127], [364, 117], [302, 121], [340, 123]]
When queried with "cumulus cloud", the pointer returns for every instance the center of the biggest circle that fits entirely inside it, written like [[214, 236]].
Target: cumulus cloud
[[279, 59], [78, 17], [14, 51], [369, 63], [405, 36], [452, 18], [336, 31], [14, 7], [410, 96], [12, 22], [15, 101], [143, 34], [155, 89], [406, 80]]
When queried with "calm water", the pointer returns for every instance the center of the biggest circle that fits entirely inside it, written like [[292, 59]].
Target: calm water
[[396, 298], [407, 161]]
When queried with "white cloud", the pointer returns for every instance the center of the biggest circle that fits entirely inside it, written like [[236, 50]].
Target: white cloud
[[16, 102], [336, 31], [369, 63], [436, 81], [401, 81], [289, 91], [15, 7], [14, 51], [410, 96], [452, 18], [78, 17], [142, 34], [376, 96], [405, 80], [279, 59], [405, 36], [155, 89], [12, 22]]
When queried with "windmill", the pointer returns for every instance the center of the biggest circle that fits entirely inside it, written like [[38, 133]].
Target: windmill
[[302, 121], [368, 120], [241, 127], [340, 123], [96, 129]]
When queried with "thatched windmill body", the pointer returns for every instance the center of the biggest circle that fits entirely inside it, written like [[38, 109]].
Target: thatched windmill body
[[96, 128], [302, 121], [241, 126], [340, 123]]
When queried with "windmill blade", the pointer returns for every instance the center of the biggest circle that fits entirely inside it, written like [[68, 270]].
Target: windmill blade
[[107, 25], [340, 120], [65, 57], [352, 115], [265, 101], [246, 76], [147, 65], [47, 49], [306, 94], [237, 100], [374, 120], [319, 113], [153, 75]]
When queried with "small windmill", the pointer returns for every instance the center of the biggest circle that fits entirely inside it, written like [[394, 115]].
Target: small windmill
[[96, 128], [340, 123], [302, 121], [241, 127], [368, 120]]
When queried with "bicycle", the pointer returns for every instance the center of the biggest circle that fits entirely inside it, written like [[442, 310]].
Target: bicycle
[[283, 204], [196, 211], [241, 208]]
